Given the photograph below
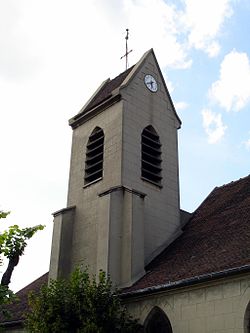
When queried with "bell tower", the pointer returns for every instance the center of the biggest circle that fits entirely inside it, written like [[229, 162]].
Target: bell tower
[[123, 195]]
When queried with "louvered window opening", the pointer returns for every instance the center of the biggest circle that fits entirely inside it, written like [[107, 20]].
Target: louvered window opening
[[94, 156], [151, 156]]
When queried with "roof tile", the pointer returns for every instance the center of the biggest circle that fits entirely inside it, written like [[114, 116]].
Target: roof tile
[[216, 238], [106, 91], [19, 308]]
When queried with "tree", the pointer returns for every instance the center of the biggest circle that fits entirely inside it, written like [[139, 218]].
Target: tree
[[12, 244], [79, 304]]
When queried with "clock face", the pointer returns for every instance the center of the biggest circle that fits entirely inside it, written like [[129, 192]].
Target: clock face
[[150, 83]]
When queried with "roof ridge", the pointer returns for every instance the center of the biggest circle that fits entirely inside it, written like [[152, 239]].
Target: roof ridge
[[33, 283], [232, 182], [126, 70]]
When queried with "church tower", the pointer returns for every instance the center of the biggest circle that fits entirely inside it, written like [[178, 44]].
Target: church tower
[[123, 195]]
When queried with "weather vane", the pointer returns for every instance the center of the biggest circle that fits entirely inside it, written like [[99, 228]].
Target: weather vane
[[127, 52]]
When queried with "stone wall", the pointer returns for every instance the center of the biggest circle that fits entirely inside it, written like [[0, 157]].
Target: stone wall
[[121, 222], [143, 108], [218, 307]]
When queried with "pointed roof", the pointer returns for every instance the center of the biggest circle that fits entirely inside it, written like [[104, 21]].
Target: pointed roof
[[216, 241], [137, 67], [109, 92], [102, 98], [105, 90]]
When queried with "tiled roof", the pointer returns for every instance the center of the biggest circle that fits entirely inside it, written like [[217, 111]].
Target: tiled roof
[[106, 91], [217, 238], [20, 307]]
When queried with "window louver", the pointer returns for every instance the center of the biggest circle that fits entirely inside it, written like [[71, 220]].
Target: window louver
[[94, 156], [151, 156]]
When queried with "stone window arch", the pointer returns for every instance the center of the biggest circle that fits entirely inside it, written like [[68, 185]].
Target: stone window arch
[[157, 322], [247, 319], [94, 156], [151, 156]]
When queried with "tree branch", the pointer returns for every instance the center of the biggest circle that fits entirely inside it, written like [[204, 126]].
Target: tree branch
[[6, 278]]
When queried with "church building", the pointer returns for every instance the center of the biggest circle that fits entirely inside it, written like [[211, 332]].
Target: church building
[[178, 272]]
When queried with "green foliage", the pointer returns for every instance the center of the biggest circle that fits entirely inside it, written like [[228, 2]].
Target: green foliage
[[12, 244], [6, 297], [14, 240], [3, 214], [79, 305]]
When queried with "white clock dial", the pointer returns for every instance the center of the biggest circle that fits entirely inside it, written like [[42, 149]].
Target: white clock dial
[[150, 83]]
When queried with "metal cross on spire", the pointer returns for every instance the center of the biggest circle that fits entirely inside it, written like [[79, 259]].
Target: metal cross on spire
[[127, 52]]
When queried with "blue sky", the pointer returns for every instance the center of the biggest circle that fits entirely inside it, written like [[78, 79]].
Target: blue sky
[[207, 161], [54, 54]]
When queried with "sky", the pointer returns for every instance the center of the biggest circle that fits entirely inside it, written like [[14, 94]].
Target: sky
[[55, 53]]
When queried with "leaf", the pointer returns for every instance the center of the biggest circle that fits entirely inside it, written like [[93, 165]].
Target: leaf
[[79, 304], [3, 214]]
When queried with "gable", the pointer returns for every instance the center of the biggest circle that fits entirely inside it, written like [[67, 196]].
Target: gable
[[148, 65], [109, 91]]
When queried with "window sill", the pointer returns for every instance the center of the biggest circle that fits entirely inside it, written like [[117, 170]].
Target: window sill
[[93, 182], [151, 182]]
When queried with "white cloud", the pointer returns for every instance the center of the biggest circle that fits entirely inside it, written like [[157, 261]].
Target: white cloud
[[213, 49], [174, 31], [54, 54], [180, 106], [213, 125], [27, 43], [157, 24], [18, 58], [232, 90], [204, 19], [170, 30], [247, 144]]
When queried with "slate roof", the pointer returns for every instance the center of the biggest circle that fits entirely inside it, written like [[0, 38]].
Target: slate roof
[[20, 307], [216, 239], [106, 91]]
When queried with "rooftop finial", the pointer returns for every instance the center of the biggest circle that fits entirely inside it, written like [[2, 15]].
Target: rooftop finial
[[127, 52]]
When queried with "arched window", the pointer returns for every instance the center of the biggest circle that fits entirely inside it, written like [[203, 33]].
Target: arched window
[[247, 319], [151, 156], [94, 156], [157, 322]]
